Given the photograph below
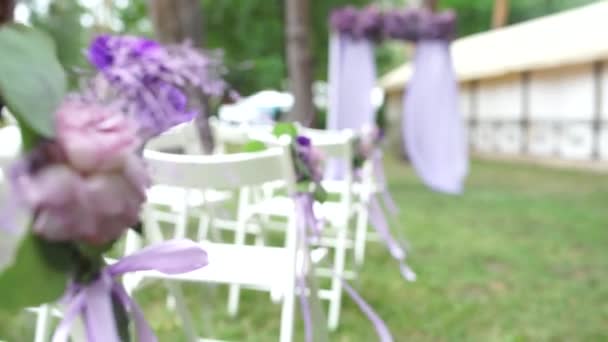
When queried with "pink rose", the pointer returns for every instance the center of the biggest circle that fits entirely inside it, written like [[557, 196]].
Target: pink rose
[[94, 137], [94, 209], [89, 185]]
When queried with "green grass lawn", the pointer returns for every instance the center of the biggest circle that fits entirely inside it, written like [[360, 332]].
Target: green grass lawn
[[522, 256]]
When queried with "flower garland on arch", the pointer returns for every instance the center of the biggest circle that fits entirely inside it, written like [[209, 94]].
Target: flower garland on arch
[[370, 23], [81, 182]]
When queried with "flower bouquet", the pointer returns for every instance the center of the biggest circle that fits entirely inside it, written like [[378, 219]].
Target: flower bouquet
[[81, 181]]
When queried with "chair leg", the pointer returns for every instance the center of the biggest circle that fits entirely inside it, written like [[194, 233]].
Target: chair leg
[[287, 315], [176, 293], [43, 324], [335, 301], [361, 234], [204, 222], [234, 294], [234, 291]]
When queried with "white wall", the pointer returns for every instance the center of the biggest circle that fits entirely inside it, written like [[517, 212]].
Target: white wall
[[564, 96], [560, 109], [500, 102]]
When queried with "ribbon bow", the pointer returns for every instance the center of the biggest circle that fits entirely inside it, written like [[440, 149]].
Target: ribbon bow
[[94, 301]]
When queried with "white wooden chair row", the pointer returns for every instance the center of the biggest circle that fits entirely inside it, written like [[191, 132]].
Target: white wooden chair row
[[191, 185]]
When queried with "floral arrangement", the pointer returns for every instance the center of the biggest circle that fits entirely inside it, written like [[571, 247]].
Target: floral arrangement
[[419, 24], [358, 24], [366, 143], [308, 166], [151, 80], [372, 24], [81, 182]]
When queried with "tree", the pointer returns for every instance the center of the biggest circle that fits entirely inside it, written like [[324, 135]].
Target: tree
[[431, 4], [176, 21], [299, 60], [7, 7], [500, 16]]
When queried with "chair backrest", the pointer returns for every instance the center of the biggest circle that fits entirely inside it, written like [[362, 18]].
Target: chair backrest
[[332, 144], [229, 171], [170, 141], [227, 134]]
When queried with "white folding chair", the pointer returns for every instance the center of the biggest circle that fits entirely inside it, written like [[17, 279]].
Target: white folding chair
[[365, 185], [265, 268], [195, 202], [337, 214], [226, 133]]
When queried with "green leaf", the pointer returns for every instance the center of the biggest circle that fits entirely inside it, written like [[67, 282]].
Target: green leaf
[[254, 146], [303, 186], [33, 82], [320, 194], [38, 275], [285, 128]]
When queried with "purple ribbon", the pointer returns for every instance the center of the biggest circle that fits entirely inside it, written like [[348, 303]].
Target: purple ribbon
[[305, 204], [306, 218], [380, 175], [94, 301], [306, 221], [381, 329], [378, 218]]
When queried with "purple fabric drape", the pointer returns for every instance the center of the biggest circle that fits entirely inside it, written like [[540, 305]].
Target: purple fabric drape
[[352, 77], [433, 127]]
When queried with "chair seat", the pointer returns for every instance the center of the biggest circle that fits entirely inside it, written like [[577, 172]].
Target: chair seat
[[336, 186], [255, 266], [283, 206], [178, 198]]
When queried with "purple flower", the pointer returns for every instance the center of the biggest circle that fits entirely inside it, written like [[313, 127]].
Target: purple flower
[[419, 24], [303, 141], [89, 185], [100, 54], [150, 81], [344, 20], [358, 24], [370, 24], [310, 157]]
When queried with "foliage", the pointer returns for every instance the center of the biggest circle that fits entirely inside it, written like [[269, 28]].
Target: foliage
[[62, 23], [251, 33], [37, 262], [32, 98], [476, 16], [32, 86], [504, 262]]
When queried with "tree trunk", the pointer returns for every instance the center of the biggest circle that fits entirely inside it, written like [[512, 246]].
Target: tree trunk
[[500, 16], [299, 60], [174, 22], [431, 4], [7, 7]]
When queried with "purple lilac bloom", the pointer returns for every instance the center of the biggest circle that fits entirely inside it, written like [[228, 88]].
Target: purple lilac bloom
[[370, 23], [358, 24], [344, 20], [419, 24], [303, 141], [150, 81], [99, 53]]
